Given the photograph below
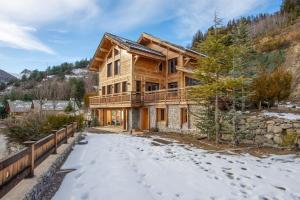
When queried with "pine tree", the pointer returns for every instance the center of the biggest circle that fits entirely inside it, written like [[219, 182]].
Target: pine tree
[[213, 73]]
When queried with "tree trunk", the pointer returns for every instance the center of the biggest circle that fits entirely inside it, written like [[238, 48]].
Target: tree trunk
[[259, 105], [217, 126], [243, 98]]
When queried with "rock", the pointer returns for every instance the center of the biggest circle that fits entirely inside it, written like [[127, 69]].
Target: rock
[[277, 139], [270, 122], [277, 129], [286, 126], [270, 128], [296, 125], [269, 136], [260, 139]]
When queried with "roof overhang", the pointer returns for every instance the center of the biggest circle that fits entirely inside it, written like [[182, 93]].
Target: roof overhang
[[147, 37], [104, 47]]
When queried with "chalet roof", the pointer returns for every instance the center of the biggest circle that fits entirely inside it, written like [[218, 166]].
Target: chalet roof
[[129, 45], [51, 105], [172, 44], [19, 106], [134, 45]]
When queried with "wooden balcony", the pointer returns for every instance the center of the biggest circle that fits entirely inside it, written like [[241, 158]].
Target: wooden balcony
[[129, 99], [134, 99]]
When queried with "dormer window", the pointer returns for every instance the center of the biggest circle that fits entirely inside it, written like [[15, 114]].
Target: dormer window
[[172, 63]]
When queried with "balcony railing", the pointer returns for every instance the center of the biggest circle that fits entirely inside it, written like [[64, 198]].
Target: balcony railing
[[135, 98], [121, 98]]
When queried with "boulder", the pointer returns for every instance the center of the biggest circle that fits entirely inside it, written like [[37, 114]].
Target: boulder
[[286, 126]]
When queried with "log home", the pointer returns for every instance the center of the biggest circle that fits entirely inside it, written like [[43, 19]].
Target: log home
[[143, 85]]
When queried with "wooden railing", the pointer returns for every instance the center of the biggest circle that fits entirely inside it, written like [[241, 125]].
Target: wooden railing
[[20, 165], [177, 94], [129, 97]]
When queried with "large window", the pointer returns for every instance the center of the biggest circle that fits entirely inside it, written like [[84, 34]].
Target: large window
[[172, 65], [151, 86], [103, 90], [109, 70], [191, 81], [160, 114], [172, 85], [124, 86], [117, 69], [117, 88], [109, 89]]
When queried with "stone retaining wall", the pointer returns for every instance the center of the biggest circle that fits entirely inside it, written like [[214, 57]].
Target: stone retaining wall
[[257, 128]]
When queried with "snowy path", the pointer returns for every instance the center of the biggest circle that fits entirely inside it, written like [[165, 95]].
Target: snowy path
[[120, 167]]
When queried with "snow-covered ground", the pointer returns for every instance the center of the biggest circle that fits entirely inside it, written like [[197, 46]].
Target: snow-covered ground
[[121, 167], [289, 116]]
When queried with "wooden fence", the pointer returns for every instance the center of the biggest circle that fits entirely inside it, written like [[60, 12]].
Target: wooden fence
[[20, 165]]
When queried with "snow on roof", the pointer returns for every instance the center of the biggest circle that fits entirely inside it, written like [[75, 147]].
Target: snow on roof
[[289, 116], [51, 105], [19, 106]]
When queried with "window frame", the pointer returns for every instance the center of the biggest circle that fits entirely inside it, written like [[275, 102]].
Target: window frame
[[124, 87], [109, 70], [172, 63], [117, 67], [103, 90], [117, 88], [183, 115], [161, 114]]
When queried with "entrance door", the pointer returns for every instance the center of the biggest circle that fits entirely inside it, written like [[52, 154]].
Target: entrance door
[[144, 118]]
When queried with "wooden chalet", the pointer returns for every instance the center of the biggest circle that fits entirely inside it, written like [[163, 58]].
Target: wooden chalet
[[143, 84]]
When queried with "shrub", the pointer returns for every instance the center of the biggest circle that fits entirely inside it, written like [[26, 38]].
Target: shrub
[[35, 126]]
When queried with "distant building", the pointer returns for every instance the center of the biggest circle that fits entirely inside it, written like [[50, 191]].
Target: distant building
[[53, 106], [19, 108]]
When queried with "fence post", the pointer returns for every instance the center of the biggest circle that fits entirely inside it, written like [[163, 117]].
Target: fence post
[[74, 129], [31, 145], [55, 141], [66, 134]]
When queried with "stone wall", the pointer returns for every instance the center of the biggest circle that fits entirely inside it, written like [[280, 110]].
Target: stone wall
[[257, 128], [133, 118]]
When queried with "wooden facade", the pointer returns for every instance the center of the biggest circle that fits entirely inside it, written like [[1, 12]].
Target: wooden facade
[[139, 74]]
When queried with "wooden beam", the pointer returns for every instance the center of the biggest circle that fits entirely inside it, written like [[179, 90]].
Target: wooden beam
[[186, 61], [104, 50], [136, 57], [99, 59]]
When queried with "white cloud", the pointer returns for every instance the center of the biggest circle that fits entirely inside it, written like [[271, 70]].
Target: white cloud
[[20, 19], [187, 16]]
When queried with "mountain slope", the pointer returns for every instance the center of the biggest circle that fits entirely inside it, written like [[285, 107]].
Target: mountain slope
[[6, 77]]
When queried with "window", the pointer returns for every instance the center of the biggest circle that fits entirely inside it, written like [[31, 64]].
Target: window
[[183, 115], [109, 70], [151, 86], [109, 89], [138, 86], [117, 67], [103, 90], [117, 88], [116, 52], [124, 86], [172, 65], [160, 114], [172, 85], [160, 67], [190, 81]]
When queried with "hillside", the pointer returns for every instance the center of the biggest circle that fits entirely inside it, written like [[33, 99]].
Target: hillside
[[6, 77], [287, 39]]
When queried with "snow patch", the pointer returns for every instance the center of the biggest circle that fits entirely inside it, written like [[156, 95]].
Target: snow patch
[[121, 167], [289, 116]]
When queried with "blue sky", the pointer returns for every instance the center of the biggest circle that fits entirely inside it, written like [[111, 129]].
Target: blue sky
[[35, 34]]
